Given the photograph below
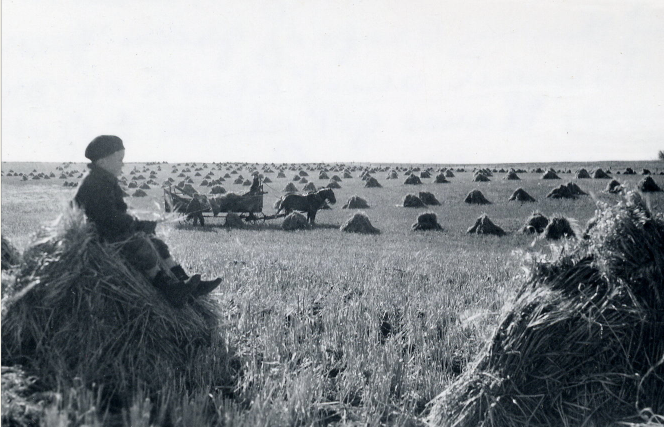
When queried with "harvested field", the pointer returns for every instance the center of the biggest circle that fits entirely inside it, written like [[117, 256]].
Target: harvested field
[[322, 311]]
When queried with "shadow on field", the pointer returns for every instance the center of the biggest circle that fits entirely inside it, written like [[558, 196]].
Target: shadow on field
[[327, 226], [261, 226], [190, 227]]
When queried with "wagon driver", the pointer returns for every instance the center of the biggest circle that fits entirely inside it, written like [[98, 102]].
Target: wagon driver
[[101, 197], [255, 185]]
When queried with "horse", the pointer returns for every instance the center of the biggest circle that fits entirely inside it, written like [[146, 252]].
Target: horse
[[310, 203]]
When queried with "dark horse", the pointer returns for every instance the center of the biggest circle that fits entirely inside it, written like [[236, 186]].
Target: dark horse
[[310, 203]]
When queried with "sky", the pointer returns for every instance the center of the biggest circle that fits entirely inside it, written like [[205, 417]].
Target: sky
[[416, 81]]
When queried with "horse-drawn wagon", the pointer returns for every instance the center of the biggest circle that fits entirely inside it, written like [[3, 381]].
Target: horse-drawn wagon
[[188, 202], [249, 207]]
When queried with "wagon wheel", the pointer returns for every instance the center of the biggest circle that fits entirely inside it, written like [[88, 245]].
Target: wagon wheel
[[252, 217]]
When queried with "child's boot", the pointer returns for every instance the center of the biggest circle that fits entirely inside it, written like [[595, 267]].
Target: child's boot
[[175, 290], [205, 287], [182, 275]]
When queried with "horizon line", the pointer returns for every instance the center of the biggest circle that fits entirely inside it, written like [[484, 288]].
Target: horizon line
[[346, 162]]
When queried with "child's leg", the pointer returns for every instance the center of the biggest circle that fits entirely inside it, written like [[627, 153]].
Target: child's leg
[[152, 273], [164, 253], [167, 259], [144, 254], [204, 286], [170, 262], [141, 254]]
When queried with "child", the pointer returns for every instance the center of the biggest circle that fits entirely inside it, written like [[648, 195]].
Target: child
[[101, 197]]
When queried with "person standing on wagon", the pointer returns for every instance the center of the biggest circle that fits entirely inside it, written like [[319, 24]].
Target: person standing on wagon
[[101, 198], [255, 185]]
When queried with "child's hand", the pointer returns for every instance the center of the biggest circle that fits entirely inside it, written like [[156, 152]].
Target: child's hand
[[148, 227]]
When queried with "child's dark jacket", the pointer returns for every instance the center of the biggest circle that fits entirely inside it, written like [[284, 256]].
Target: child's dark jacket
[[101, 198]]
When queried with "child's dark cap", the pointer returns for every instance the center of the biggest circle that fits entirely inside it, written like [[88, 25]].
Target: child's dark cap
[[102, 146]]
